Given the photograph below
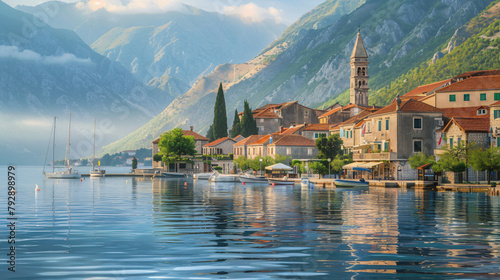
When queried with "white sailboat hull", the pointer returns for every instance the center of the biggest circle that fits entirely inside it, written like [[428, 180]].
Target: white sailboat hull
[[67, 174]]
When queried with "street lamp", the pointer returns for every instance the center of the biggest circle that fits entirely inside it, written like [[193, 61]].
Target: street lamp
[[260, 167], [329, 160]]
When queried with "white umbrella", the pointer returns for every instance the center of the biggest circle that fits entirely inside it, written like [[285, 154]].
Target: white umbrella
[[279, 166]]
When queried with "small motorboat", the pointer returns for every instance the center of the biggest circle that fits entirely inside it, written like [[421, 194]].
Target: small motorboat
[[172, 175], [281, 182], [97, 172], [351, 183], [305, 182], [248, 178], [219, 178], [202, 176]]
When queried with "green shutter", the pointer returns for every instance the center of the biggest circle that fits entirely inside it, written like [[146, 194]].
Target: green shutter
[[386, 124], [483, 96], [497, 96], [495, 114], [466, 97], [452, 98], [379, 125]]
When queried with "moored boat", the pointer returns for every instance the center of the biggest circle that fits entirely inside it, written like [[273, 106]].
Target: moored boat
[[66, 174], [202, 176], [172, 175], [305, 182], [350, 183], [219, 178], [97, 172], [252, 179], [284, 182]]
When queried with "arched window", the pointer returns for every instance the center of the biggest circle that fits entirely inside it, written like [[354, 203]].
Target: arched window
[[359, 71], [364, 71], [359, 84]]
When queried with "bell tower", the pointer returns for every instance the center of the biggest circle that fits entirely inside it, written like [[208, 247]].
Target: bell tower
[[359, 74]]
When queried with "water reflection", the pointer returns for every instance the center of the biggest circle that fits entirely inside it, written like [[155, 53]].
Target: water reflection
[[135, 228]]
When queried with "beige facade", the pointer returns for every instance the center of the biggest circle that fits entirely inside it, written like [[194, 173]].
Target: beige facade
[[223, 146], [455, 99]]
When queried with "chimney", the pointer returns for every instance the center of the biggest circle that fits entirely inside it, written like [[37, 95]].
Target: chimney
[[192, 127], [398, 101], [281, 129]]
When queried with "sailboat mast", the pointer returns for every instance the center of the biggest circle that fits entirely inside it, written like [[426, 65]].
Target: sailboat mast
[[66, 158], [93, 155], [54, 147]]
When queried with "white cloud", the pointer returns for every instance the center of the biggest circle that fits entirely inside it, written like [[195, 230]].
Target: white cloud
[[13, 52], [252, 12], [132, 6]]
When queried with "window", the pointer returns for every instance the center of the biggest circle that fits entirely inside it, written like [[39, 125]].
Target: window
[[316, 136], [386, 146], [417, 146], [272, 150], [310, 151], [498, 141], [288, 151], [466, 97], [276, 120], [368, 127], [261, 120], [306, 114], [387, 124], [459, 140], [379, 125], [417, 123], [451, 142], [481, 112], [497, 96], [482, 97], [453, 98], [261, 128], [496, 114]]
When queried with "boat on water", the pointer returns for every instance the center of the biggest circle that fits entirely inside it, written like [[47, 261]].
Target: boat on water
[[172, 175], [69, 173], [351, 183], [202, 176], [219, 178], [305, 182], [281, 182], [96, 172], [248, 178]]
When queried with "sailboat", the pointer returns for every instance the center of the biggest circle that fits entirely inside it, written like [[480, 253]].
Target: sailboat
[[66, 174], [96, 172]]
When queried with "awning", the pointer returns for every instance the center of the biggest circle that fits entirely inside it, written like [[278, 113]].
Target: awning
[[362, 146], [352, 165], [279, 166], [371, 164]]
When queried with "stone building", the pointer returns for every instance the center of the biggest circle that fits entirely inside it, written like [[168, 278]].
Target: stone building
[[241, 147], [222, 146], [359, 74], [293, 146]]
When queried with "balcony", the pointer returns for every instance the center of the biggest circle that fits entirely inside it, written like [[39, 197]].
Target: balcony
[[374, 156]]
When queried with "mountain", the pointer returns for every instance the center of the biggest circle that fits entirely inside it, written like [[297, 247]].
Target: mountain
[[46, 71], [168, 50], [399, 35]]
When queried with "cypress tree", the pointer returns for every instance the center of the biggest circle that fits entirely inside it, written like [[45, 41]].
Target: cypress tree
[[210, 133], [248, 124], [220, 116], [236, 130]]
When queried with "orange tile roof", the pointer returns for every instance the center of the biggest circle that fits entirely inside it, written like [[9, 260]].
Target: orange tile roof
[[353, 120], [261, 141], [495, 104], [294, 140], [266, 114], [196, 136], [427, 88], [249, 140], [463, 112], [471, 124], [292, 130], [317, 127], [218, 141], [331, 112], [474, 83], [478, 73], [410, 105]]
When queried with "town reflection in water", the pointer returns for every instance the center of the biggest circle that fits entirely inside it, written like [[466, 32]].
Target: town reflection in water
[[349, 233]]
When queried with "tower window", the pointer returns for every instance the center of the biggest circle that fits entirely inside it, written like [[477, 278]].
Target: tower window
[[364, 71], [359, 71]]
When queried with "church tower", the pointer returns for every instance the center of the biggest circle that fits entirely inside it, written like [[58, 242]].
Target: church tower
[[359, 74]]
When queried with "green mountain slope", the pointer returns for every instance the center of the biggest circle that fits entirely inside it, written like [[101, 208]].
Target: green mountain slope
[[399, 35]]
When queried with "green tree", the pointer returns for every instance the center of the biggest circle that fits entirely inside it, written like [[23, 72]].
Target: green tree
[[173, 145], [210, 133], [220, 116], [329, 147], [248, 124], [106, 160], [453, 159], [485, 159], [134, 163], [236, 129], [420, 159]]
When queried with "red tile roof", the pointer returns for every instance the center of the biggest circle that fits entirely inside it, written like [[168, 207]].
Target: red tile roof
[[196, 136], [290, 130], [409, 105], [317, 127], [294, 140], [478, 73], [495, 104], [474, 83], [261, 141], [218, 141], [463, 112], [266, 114], [249, 140], [331, 112], [427, 88], [471, 124]]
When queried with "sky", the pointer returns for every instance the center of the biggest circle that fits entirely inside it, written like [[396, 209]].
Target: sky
[[282, 11]]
